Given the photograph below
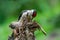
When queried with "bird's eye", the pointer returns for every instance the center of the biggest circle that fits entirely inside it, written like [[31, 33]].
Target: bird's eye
[[34, 14]]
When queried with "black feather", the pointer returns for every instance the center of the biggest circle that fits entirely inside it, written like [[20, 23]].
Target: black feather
[[21, 14]]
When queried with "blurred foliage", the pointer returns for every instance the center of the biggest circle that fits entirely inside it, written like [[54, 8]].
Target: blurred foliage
[[48, 15], [2, 17]]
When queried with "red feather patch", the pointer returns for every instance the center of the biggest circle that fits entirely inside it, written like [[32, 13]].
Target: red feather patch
[[34, 14]]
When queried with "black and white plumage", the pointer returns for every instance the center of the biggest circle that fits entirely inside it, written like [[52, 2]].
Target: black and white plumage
[[25, 27], [24, 13]]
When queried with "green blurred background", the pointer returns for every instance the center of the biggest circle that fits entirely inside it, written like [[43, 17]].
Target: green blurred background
[[48, 16]]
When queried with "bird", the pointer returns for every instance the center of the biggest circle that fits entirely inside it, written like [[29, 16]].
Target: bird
[[24, 28]]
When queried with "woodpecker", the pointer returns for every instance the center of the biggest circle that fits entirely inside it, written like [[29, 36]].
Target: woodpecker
[[25, 13], [25, 26]]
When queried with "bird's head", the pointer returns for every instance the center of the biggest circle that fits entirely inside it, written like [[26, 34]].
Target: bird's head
[[28, 14]]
